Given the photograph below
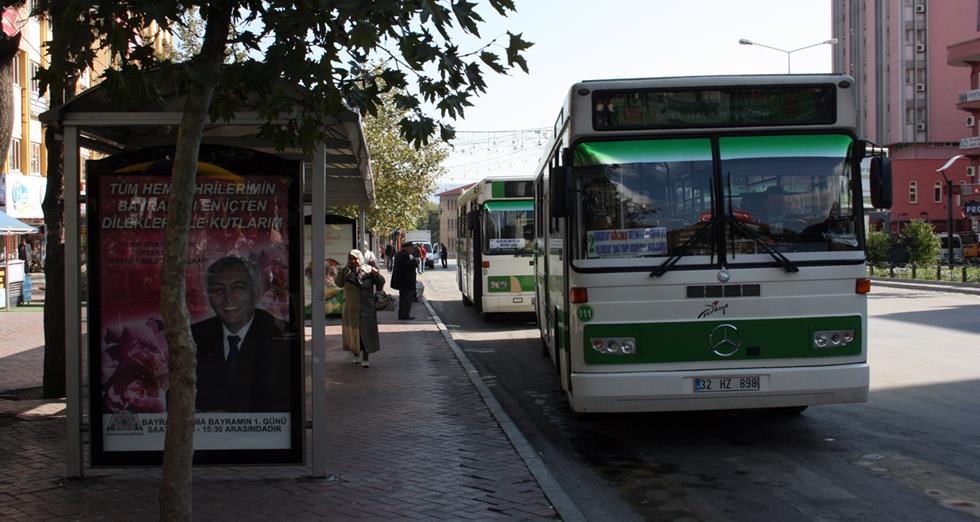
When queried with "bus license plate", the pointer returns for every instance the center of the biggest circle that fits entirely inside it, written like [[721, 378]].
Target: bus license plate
[[725, 384]]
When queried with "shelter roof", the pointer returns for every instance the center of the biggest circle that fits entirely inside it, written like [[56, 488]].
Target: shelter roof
[[104, 125]]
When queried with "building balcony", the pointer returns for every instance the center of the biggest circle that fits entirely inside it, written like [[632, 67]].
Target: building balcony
[[969, 100]]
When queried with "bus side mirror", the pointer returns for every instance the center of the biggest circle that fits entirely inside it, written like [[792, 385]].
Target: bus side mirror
[[881, 182], [558, 184]]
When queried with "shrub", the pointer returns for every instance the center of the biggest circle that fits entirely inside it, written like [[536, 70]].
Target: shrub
[[922, 243], [877, 247]]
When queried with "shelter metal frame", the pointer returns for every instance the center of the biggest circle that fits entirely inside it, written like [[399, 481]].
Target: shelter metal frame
[[87, 121]]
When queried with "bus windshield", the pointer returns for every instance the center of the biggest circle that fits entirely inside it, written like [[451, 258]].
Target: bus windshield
[[644, 197], [792, 191], [509, 227], [655, 197]]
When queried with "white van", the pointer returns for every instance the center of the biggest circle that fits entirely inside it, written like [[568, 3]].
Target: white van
[[957, 248]]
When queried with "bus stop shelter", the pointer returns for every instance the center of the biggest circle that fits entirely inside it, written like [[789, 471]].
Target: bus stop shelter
[[337, 174]]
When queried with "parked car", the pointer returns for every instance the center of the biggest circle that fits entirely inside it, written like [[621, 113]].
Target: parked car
[[957, 248]]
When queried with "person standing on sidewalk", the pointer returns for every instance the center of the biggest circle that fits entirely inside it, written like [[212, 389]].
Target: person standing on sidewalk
[[359, 326], [443, 255], [389, 255], [403, 280], [25, 254]]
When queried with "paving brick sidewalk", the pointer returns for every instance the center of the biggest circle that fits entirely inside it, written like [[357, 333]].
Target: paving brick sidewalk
[[408, 438]]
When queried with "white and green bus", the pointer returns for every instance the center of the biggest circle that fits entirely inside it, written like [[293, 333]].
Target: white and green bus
[[496, 237], [700, 243]]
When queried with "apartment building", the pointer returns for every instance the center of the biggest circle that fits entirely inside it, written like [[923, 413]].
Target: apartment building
[[449, 217], [910, 99]]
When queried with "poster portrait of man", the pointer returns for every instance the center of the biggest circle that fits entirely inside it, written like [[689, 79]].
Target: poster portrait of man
[[242, 351], [243, 290]]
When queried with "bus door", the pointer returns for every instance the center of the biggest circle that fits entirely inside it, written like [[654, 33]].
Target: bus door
[[474, 222]]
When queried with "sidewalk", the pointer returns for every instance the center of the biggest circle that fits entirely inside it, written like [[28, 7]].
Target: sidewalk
[[927, 285], [411, 437]]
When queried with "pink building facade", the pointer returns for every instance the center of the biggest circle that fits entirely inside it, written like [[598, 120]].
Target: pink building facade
[[899, 54]]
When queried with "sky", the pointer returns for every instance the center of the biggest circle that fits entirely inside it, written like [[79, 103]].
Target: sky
[[578, 40]]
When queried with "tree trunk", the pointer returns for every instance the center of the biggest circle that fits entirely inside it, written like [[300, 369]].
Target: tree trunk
[[54, 377], [178, 453], [54, 268], [8, 50]]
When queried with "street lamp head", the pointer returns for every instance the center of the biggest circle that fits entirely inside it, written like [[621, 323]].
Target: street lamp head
[[745, 41], [832, 41], [949, 163]]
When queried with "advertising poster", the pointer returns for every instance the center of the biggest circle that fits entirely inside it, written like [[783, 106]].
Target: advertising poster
[[338, 240], [24, 195], [242, 290]]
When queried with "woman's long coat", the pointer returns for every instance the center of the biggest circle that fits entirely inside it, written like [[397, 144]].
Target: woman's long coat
[[359, 325]]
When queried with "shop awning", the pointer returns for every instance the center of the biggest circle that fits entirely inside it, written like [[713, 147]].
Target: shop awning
[[10, 226]]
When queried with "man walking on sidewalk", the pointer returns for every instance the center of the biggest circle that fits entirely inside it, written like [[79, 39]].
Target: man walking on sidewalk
[[403, 280]]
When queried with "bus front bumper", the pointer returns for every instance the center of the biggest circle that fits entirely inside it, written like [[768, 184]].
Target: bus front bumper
[[675, 390]]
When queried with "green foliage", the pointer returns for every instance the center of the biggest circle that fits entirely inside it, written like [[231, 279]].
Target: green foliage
[[921, 241], [429, 220], [878, 244], [324, 49], [404, 176]]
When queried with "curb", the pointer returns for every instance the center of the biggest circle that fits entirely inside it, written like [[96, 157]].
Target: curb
[[559, 499], [929, 286]]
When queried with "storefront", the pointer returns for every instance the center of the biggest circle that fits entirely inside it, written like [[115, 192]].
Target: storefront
[[13, 272]]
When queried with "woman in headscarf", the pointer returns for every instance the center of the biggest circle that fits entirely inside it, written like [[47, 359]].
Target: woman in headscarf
[[359, 326]]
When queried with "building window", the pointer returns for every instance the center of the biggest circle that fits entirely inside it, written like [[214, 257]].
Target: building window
[[35, 82], [13, 157], [36, 159], [913, 192], [937, 192], [909, 115]]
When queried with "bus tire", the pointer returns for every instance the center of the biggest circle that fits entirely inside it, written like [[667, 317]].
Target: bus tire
[[466, 301]]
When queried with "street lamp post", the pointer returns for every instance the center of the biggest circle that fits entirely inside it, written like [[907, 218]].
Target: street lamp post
[[745, 41], [949, 207]]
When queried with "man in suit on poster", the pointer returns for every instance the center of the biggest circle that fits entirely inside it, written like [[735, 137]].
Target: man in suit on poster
[[242, 352]]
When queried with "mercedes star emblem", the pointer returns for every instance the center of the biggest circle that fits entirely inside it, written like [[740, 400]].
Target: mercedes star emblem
[[725, 340]]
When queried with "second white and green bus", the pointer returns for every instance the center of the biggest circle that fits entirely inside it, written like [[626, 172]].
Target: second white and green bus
[[496, 237], [700, 243]]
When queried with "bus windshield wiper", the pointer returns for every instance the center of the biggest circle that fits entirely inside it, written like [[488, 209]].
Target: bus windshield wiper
[[683, 250], [787, 264]]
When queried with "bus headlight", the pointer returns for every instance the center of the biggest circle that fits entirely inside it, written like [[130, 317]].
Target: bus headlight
[[614, 345], [832, 338]]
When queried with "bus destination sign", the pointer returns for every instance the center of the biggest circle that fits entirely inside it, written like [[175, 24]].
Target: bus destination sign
[[714, 107]]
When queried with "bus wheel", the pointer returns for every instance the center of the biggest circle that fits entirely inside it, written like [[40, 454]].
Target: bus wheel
[[466, 301], [788, 410]]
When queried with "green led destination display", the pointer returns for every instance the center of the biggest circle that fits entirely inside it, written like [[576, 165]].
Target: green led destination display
[[742, 106]]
